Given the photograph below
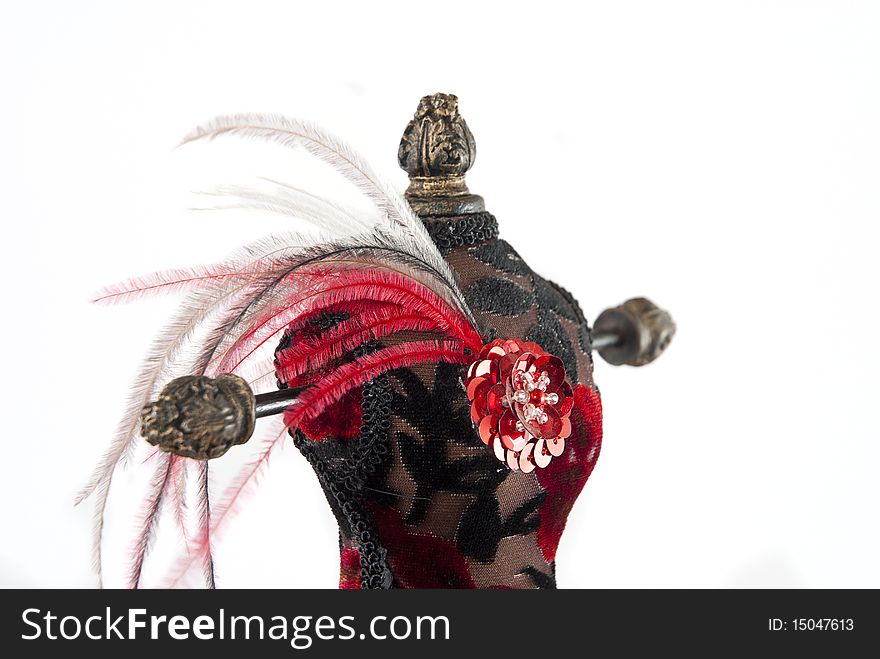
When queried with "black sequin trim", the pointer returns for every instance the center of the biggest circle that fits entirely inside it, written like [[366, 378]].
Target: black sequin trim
[[343, 480], [450, 232]]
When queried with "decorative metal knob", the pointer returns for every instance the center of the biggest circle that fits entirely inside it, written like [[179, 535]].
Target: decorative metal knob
[[200, 417], [634, 333], [436, 150]]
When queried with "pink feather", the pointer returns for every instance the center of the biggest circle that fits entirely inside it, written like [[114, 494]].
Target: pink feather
[[169, 281]]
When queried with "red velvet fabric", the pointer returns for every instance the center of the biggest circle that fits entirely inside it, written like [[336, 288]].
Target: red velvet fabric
[[349, 569], [565, 476], [420, 560]]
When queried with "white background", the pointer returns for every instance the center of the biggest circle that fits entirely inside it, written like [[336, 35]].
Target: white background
[[718, 157]]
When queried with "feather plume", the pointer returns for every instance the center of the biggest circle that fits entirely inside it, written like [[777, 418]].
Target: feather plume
[[234, 304], [327, 288], [348, 163], [238, 284], [219, 298], [237, 306]]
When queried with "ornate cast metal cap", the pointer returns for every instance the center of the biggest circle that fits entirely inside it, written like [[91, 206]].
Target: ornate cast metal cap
[[436, 150], [199, 417], [641, 331]]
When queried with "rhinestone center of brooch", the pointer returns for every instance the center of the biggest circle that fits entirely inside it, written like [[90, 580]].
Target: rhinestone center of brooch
[[520, 403]]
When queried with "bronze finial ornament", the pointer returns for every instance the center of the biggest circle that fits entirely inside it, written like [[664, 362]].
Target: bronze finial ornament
[[436, 150]]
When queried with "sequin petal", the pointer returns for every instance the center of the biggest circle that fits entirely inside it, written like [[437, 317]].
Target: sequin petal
[[556, 447], [541, 455], [525, 463]]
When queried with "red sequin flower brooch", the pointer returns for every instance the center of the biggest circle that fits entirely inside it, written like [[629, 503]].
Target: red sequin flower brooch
[[520, 403]]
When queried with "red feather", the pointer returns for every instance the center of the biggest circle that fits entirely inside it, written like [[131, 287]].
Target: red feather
[[353, 374], [318, 352], [322, 289]]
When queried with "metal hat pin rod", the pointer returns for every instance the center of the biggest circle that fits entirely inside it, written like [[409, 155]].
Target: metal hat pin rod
[[202, 418]]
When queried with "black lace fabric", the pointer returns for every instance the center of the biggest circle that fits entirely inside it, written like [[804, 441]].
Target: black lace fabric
[[420, 501]]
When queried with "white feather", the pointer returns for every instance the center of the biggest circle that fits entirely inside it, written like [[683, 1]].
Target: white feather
[[297, 204]]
